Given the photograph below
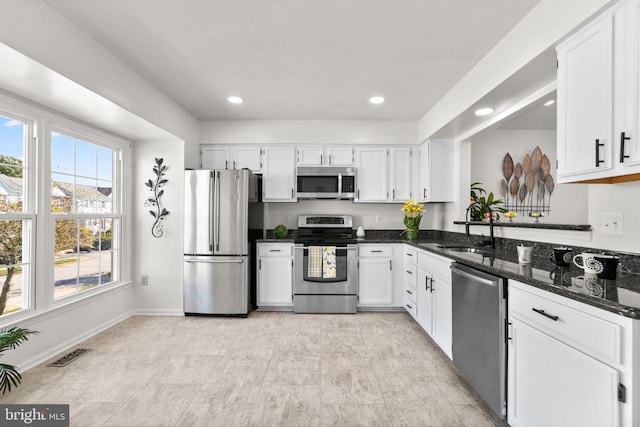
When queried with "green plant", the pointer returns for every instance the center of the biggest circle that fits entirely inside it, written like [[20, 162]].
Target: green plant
[[479, 205], [280, 231], [10, 339]]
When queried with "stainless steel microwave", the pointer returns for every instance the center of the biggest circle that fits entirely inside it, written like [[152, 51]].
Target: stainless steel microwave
[[326, 182]]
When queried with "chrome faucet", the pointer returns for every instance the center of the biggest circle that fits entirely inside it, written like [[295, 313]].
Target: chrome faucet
[[492, 240]]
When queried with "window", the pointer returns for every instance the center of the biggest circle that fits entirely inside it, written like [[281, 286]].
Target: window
[[16, 215], [85, 213]]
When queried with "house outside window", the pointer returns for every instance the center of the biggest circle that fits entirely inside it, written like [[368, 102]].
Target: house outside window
[[85, 222], [17, 214]]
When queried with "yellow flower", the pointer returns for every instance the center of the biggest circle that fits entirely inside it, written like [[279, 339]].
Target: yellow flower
[[510, 214], [412, 209]]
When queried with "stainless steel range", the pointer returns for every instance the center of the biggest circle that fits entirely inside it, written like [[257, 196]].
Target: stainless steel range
[[326, 273]]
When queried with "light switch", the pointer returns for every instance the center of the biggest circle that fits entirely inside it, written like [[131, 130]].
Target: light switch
[[611, 223]]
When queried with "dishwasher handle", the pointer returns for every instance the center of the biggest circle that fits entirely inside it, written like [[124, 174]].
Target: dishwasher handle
[[478, 279]]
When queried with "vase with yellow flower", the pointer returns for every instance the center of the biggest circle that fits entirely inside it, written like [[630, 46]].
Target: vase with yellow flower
[[412, 216]]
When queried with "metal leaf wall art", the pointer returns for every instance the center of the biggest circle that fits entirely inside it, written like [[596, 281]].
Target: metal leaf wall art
[[155, 185], [527, 186]]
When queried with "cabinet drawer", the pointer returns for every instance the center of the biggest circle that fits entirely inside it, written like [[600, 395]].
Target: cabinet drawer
[[436, 264], [375, 251], [275, 249], [411, 294], [410, 275], [410, 306], [410, 255], [595, 336]]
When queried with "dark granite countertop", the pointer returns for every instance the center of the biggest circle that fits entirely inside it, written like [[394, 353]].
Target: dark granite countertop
[[620, 296]]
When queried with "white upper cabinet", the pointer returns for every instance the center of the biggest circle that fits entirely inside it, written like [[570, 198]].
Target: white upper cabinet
[[325, 156], [400, 174], [247, 157], [214, 157], [372, 175], [279, 174], [585, 101], [598, 99], [228, 157], [437, 171]]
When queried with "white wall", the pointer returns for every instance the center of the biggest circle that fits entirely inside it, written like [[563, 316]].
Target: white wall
[[159, 258], [623, 198], [308, 132], [364, 214], [569, 203], [544, 26], [34, 29]]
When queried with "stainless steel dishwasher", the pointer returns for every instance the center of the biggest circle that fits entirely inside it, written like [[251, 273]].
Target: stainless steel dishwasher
[[479, 349]]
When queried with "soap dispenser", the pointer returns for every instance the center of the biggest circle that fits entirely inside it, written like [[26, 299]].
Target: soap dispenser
[[360, 232]]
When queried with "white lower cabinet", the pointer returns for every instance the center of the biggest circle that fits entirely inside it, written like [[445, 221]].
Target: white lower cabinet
[[568, 364], [377, 265], [434, 299], [427, 287], [275, 275]]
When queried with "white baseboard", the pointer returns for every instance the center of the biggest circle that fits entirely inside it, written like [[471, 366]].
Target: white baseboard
[[62, 347]]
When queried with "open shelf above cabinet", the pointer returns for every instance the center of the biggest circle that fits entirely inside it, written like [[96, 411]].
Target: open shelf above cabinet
[[572, 227]]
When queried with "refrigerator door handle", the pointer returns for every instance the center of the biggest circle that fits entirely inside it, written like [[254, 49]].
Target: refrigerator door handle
[[211, 231], [214, 261], [216, 227]]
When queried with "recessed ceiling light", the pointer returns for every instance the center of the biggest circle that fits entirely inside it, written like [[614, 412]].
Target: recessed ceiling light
[[376, 99], [484, 111], [235, 100], [550, 102]]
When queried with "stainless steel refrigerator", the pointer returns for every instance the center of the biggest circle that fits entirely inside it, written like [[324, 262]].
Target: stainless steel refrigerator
[[222, 211]]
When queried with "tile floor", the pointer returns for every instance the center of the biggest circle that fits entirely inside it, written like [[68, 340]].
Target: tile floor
[[271, 369]]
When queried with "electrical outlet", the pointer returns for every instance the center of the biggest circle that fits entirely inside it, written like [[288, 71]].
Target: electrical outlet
[[144, 280], [285, 219], [611, 223], [378, 218]]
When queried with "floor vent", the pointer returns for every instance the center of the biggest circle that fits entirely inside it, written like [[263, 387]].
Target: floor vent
[[65, 360]]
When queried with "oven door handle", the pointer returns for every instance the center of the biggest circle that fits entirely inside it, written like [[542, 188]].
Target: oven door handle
[[349, 248]]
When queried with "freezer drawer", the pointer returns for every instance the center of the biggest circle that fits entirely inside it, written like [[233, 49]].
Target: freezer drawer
[[216, 285]]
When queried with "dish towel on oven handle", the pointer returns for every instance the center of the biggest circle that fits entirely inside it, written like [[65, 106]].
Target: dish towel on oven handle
[[314, 267], [328, 262]]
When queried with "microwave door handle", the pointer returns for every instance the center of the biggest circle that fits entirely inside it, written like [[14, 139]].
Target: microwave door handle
[[339, 184]]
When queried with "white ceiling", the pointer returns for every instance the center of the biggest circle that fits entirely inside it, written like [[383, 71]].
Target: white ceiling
[[295, 59]]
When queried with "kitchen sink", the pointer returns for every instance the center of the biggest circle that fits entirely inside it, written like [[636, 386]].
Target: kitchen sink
[[468, 249]]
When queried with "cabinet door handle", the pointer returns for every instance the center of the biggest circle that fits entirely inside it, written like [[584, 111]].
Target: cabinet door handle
[[393, 194], [292, 193], [259, 264], [321, 158], [598, 145], [409, 272], [431, 290], [274, 250], [329, 159], [409, 306], [409, 292], [623, 138], [226, 164], [390, 265], [424, 193], [539, 311]]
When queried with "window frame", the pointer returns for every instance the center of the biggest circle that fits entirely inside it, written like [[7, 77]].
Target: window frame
[[29, 210], [119, 146], [40, 242]]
